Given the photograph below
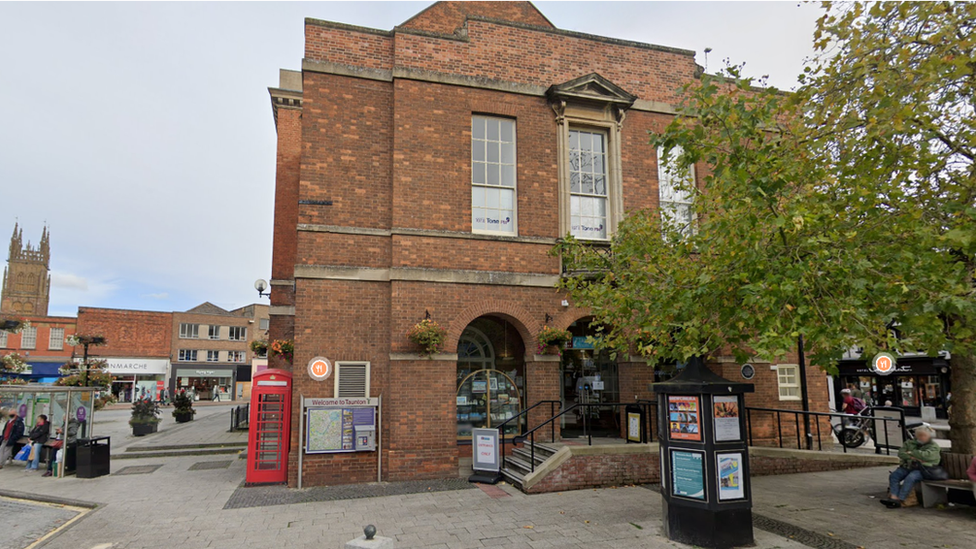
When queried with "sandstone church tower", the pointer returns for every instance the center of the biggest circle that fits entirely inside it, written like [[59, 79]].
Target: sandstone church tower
[[26, 279]]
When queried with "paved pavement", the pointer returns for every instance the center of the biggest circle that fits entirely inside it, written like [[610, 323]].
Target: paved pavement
[[209, 426], [22, 522], [196, 502]]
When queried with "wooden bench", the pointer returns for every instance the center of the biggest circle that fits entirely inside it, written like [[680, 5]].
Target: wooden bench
[[936, 492]]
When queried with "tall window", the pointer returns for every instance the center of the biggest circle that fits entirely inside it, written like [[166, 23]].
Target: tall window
[[3, 339], [28, 338], [187, 355], [264, 323], [237, 333], [493, 175], [213, 356], [56, 339], [235, 356], [676, 203], [788, 378], [189, 331], [213, 332], [588, 184]]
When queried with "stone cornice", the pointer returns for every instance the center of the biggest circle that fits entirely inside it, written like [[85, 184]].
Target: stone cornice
[[426, 233], [413, 274]]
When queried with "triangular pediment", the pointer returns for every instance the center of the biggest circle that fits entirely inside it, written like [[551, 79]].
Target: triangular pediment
[[591, 88]]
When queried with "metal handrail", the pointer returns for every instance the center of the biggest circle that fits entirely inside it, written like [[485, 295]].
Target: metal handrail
[[501, 432], [530, 435], [845, 420]]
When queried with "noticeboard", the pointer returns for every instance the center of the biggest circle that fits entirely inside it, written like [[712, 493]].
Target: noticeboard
[[688, 474], [725, 410], [684, 418], [336, 425], [730, 483]]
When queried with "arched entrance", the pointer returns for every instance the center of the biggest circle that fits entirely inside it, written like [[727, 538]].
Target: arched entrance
[[490, 376], [588, 376]]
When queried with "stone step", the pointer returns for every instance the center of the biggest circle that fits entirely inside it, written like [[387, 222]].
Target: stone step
[[199, 446], [513, 478], [526, 454], [521, 466], [179, 453]]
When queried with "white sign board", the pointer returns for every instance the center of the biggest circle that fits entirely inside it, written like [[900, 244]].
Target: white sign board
[[332, 402], [133, 366], [484, 451]]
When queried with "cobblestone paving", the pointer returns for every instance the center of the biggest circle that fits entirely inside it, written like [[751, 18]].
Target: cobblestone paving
[[21, 523], [262, 496]]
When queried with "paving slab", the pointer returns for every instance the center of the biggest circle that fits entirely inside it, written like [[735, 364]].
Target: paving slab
[[23, 522]]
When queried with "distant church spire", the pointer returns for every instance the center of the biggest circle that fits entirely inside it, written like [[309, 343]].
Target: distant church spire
[[26, 286]]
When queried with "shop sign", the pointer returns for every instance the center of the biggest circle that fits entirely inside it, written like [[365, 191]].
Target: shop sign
[[883, 364], [319, 368], [130, 366]]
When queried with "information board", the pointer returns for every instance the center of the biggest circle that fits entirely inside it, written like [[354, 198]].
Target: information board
[[684, 418], [726, 413], [730, 485], [340, 425], [485, 450], [688, 474]]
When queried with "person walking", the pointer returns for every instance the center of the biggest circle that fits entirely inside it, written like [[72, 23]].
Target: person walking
[[39, 434], [916, 456], [12, 432]]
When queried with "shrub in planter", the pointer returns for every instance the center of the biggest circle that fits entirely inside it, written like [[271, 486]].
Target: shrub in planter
[[145, 417], [183, 408]]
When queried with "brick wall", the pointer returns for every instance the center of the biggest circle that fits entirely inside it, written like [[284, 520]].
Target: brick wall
[[41, 351], [128, 333]]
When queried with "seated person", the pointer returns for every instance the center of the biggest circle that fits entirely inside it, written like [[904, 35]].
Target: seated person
[[914, 454]]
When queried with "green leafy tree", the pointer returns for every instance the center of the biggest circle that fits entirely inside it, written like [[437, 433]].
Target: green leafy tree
[[838, 212]]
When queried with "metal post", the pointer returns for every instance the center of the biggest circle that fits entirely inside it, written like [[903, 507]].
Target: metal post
[[84, 375], [379, 439], [301, 436], [803, 391]]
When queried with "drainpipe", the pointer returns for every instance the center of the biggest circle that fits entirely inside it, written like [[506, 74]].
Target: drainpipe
[[803, 392]]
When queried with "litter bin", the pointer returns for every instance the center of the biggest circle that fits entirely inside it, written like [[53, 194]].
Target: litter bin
[[92, 457]]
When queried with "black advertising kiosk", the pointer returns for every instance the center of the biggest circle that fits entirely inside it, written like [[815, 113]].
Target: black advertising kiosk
[[704, 459]]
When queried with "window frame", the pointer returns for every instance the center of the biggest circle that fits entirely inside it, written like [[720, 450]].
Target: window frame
[[32, 330], [195, 331], [210, 332], [264, 324], [780, 385], [605, 133], [232, 329], [338, 374], [663, 176], [3, 339], [184, 354], [515, 225], [232, 355], [214, 354], [51, 340]]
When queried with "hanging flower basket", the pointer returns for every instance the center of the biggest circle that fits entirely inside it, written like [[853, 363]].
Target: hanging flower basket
[[76, 374], [260, 347], [13, 364], [285, 348], [551, 340], [13, 324], [428, 335]]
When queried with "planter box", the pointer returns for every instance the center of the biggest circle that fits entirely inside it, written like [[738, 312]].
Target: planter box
[[143, 429], [183, 417]]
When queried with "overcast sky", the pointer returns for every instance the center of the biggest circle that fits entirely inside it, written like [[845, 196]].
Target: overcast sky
[[142, 133]]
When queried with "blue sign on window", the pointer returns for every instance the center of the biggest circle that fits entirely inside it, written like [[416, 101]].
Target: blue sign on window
[[582, 343]]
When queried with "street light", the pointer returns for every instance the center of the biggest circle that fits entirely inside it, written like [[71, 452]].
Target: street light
[[85, 341], [261, 285]]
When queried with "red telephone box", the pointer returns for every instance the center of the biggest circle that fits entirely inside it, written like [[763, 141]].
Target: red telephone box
[[269, 428]]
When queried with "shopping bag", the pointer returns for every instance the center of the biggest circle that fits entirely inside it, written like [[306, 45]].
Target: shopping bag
[[33, 451], [24, 453]]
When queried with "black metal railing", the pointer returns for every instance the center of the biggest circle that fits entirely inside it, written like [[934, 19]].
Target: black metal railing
[[552, 411], [865, 421], [646, 432], [239, 417]]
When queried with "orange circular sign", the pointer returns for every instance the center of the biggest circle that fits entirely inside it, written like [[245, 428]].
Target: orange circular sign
[[883, 363], [319, 368]]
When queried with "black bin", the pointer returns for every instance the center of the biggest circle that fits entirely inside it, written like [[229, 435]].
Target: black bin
[[92, 457]]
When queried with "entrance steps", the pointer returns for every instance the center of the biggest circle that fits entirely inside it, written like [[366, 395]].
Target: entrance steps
[[180, 450], [519, 464]]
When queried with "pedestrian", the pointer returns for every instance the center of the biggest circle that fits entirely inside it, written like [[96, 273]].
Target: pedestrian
[[851, 404], [855, 392], [39, 434], [12, 432], [56, 445], [917, 457]]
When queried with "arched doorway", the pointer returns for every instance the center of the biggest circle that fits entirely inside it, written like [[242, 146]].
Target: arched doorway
[[588, 376], [490, 376]]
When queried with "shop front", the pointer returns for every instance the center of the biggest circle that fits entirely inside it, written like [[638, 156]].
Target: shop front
[[916, 381], [206, 383], [137, 377]]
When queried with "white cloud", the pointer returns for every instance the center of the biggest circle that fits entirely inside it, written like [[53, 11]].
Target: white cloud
[[69, 281], [159, 296]]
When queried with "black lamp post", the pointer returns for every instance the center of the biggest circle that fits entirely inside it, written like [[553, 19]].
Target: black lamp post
[[86, 341]]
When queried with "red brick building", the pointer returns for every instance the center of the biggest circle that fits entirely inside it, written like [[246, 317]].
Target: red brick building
[[430, 170], [43, 345]]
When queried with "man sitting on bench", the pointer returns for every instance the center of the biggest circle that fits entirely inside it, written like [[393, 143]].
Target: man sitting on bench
[[915, 455], [972, 473]]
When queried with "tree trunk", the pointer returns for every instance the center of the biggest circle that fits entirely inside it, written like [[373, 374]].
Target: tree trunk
[[963, 418]]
